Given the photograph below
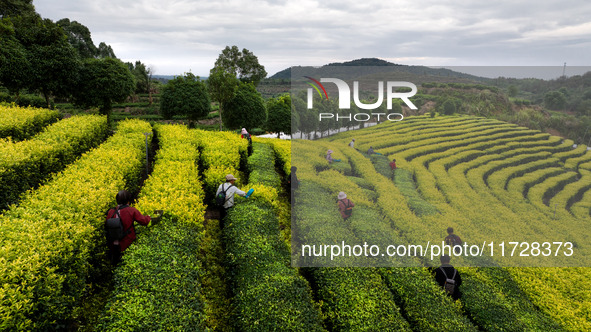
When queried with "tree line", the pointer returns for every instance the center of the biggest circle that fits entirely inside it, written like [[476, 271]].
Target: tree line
[[232, 83], [59, 60]]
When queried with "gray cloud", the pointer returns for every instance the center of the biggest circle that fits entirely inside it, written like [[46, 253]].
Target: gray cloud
[[177, 36]]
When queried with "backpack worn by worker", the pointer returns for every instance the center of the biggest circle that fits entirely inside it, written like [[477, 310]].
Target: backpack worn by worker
[[348, 208], [454, 240], [220, 199], [114, 228], [450, 284]]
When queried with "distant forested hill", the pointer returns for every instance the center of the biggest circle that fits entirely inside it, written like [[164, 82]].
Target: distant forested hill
[[385, 66]]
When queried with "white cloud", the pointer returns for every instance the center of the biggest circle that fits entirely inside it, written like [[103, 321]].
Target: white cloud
[[560, 33], [176, 36]]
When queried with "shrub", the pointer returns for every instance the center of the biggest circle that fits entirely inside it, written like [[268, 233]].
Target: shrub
[[185, 95], [20, 123], [268, 293], [168, 295], [26, 164], [51, 238]]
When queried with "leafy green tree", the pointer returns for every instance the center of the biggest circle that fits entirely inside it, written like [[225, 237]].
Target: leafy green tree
[[103, 82], [16, 8], [307, 118], [14, 63], [143, 76], [105, 51], [326, 106], [54, 68], [232, 67], [221, 86], [279, 115], [295, 119], [185, 95], [450, 106], [246, 109], [513, 90], [382, 110], [244, 65], [347, 117], [79, 37], [396, 108], [555, 100], [53, 61], [583, 107]]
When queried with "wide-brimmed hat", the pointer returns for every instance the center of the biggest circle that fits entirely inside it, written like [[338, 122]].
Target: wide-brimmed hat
[[329, 151], [342, 195], [230, 177]]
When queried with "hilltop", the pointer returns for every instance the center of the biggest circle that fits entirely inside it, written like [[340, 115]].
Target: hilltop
[[419, 73]]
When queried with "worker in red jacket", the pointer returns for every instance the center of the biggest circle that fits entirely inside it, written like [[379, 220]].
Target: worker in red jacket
[[393, 167], [393, 164], [345, 205], [128, 215]]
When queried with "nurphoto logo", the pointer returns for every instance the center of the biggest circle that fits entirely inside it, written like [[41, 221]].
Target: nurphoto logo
[[344, 94]]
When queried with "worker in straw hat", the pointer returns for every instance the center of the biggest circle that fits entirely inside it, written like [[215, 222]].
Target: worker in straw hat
[[345, 205], [246, 134], [329, 156], [225, 195]]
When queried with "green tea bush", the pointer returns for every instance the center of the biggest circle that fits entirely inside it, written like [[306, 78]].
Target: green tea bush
[[158, 284], [47, 243], [269, 295], [20, 123], [27, 163], [261, 166]]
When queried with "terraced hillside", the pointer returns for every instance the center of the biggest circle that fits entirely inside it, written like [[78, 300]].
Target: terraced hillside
[[492, 182], [193, 272]]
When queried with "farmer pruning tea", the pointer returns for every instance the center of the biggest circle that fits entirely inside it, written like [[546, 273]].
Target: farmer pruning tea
[[224, 196]]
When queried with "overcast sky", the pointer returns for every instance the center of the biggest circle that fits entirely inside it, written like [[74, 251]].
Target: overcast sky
[[177, 36]]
